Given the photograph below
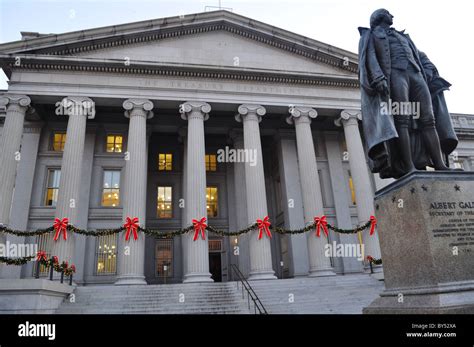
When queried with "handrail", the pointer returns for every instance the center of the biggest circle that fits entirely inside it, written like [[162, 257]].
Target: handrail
[[250, 292]]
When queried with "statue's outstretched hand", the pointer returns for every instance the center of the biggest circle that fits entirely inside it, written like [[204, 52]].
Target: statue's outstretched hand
[[382, 87]]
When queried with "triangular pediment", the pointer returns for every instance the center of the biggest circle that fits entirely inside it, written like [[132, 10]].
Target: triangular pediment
[[215, 48], [218, 39]]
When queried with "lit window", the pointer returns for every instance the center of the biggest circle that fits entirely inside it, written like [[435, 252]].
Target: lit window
[[44, 243], [211, 201], [211, 162], [59, 140], [54, 176], [165, 162], [164, 258], [114, 143], [111, 189], [106, 255], [352, 190], [164, 206]]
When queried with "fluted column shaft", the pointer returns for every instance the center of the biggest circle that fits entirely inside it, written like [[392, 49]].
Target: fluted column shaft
[[78, 109], [16, 106], [241, 206], [131, 253], [319, 264], [197, 257], [260, 250], [360, 176]]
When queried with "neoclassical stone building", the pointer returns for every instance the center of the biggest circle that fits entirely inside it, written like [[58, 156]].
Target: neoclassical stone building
[[128, 120]]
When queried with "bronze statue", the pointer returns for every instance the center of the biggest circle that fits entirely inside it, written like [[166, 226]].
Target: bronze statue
[[405, 120]]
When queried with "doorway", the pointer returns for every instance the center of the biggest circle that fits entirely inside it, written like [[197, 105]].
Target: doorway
[[215, 266]]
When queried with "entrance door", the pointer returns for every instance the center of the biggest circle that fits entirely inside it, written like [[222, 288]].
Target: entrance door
[[215, 266]]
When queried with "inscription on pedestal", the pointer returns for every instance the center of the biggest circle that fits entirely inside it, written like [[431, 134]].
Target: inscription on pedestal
[[453, 223]]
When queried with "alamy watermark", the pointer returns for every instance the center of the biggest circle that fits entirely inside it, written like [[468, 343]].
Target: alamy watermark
[[349, 250], [18, 250], [400, 108], [231, 155]]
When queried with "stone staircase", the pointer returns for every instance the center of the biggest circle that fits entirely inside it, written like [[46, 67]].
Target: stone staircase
[[191, 298], [346, 294], [343, 294]]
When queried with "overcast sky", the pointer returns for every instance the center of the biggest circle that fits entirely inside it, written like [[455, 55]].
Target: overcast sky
[[442, 29]]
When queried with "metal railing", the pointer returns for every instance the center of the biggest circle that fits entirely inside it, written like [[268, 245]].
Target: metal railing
[[251, 295]]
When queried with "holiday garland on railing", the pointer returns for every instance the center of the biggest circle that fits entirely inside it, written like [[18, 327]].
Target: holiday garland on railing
[[61, 227], [42, 259]]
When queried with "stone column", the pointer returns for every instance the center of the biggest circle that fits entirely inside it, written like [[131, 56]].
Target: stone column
[[22, 195], [197, 257], [360, 176], [16, 106], [240, 205], [78, 109], [319, 264], [131, 253], [260, 250]]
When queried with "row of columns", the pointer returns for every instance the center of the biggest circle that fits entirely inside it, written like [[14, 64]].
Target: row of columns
[[131, 254]]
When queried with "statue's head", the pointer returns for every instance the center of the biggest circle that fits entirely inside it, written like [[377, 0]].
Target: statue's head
[[380, 16]]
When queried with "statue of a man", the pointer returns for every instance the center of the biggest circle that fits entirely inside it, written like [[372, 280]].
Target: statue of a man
[[398, 118]]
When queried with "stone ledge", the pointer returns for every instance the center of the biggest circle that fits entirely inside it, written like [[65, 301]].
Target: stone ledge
[[22, 296]]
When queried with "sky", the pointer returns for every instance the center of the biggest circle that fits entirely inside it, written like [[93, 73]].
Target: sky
[[440, 28]]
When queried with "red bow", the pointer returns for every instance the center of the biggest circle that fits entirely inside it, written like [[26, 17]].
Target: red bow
[[41, 255], [264, 225], [131, 225], [55, 259], [321, 222], [60, 225], [373, 223], [199, 226], [73, 268]]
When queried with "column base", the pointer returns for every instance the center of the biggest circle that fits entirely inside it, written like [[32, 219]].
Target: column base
[[321, 273], [197, 277], [262, 275], [130, 280]]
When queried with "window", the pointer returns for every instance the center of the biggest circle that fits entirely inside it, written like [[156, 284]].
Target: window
[[211, 201], [106, 255], [351, 189], [114, 143], [164, 206], [111, 189], [59, 140], [165, 162], [52, 189], [164, 258], [211, 162], [44, 243]]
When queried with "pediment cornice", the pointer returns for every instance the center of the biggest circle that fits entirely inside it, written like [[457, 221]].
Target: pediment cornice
[[76, 43]]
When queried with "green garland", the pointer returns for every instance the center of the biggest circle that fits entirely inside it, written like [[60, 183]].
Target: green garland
[[373, 260], [166, 235]]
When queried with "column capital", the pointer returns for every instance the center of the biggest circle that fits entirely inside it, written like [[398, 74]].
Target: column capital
[[193, 109], [76, 106], [250, 112], [301, 114], [20, 102], [138, 107], [348, 117]]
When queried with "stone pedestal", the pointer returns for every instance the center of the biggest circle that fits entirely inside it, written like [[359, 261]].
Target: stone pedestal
[[426, 230]]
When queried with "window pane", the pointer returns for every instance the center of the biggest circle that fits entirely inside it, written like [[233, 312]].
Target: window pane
[[351, 189], [114, 143], [211, 201], [111, 189], [211, 162], [52, 189], [106, 255], [165, 162], [164, 206], [59, 139]]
